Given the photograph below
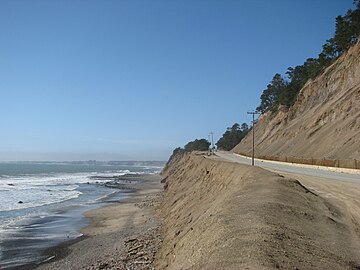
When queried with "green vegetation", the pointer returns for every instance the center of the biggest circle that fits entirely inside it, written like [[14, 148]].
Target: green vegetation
[[284, 90], [232, 136], [197, 145]]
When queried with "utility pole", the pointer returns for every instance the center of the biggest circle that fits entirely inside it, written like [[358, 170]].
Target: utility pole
[[210, 144], [253, 133], [212, 141]]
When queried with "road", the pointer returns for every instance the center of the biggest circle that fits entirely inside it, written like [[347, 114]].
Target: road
[[288, 168], [341, 190]]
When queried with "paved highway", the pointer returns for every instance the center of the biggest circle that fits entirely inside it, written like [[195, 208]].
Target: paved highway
[[289, 168]]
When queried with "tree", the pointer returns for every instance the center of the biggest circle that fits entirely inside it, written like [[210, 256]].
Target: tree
[[197, 145], [343, 38], [177, 150], [270, 96], [347, 31], [285, 91], [232, 136], [244, 128]]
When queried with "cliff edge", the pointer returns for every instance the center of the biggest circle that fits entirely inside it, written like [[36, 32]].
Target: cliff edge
[[222, 215], [324, 122]]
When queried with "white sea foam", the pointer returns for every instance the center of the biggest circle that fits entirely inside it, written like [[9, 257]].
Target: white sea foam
[[31, 191], [105, 196], [32, 197], [48, 196]]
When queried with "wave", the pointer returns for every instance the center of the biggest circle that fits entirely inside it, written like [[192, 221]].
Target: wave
[[28, 191], [20, 199]]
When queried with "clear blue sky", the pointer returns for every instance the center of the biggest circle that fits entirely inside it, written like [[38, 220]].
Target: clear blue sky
[[134, 79]]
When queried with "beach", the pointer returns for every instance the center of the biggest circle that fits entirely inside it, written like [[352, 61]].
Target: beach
[[122, 234], [204, 212], [42, 204]]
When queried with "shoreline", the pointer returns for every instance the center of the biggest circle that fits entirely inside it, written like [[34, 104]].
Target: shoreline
[[105, 240]]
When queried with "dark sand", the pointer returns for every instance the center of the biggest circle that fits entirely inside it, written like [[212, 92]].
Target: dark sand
[[122, 235]]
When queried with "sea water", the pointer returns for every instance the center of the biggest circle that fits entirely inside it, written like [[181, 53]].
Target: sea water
[[41, 204]]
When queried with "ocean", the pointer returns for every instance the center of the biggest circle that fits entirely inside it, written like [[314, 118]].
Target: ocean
[[42, 203]]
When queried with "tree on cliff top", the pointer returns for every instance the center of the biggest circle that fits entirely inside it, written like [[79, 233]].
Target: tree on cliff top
[[197, 145], [270, 96], [285, 91], [232, 136]]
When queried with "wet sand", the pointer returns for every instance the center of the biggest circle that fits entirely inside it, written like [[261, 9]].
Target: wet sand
[[120, 234]]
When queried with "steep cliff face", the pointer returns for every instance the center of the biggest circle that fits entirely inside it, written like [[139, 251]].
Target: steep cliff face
[[222, 215], [323, 123]]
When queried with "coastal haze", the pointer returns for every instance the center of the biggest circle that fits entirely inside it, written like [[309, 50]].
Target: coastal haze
[[125, 80], [42, 203]]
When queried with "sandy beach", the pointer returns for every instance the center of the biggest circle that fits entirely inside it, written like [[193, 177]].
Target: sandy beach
[[217, 214], [121, 235]]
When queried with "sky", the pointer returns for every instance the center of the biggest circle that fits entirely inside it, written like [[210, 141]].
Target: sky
[[132, 80]]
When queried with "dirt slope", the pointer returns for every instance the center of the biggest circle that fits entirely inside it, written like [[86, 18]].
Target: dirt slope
[[220, 215], [323, 123]]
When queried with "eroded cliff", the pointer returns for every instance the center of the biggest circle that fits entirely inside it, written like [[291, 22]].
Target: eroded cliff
[[324, 123], [222, 215]]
